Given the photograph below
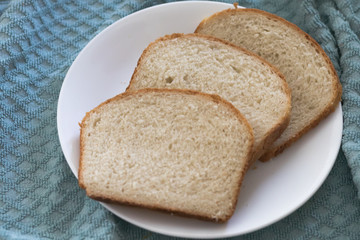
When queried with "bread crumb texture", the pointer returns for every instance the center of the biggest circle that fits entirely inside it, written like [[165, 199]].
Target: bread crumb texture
[[207, 65], [178, 152]]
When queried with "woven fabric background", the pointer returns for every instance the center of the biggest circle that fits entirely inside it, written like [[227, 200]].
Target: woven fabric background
[[39, 196]]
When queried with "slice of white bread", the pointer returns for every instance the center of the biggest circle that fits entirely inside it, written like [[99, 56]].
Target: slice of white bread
[[314, 84], [207, 64], [180, 151]]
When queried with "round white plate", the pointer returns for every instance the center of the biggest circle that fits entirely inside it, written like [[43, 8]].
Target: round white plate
[[270, 191]]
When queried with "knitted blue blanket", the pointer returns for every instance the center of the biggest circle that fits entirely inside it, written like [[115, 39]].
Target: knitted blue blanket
[[40, 198]]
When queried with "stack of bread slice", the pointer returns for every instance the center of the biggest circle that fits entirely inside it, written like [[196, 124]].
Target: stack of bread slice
[[314, 84], [203, 107]]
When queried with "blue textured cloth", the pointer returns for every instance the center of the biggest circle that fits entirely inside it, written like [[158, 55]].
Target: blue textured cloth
[[39, 196]]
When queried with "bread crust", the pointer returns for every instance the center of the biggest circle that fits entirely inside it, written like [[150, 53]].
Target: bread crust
[[162, 209], [212, 97], [278, 129], [336, 86]]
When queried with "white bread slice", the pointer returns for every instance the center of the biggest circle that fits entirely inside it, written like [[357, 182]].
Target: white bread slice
[[180, 151], [314, 84], [207, 64]]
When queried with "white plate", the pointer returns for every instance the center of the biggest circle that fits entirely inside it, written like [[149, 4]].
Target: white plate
[[270, 192]]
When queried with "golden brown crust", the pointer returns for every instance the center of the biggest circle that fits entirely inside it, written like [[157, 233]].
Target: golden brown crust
[[161, 209], [276, 151], [212, 97], [337, 89], [276, 131]]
